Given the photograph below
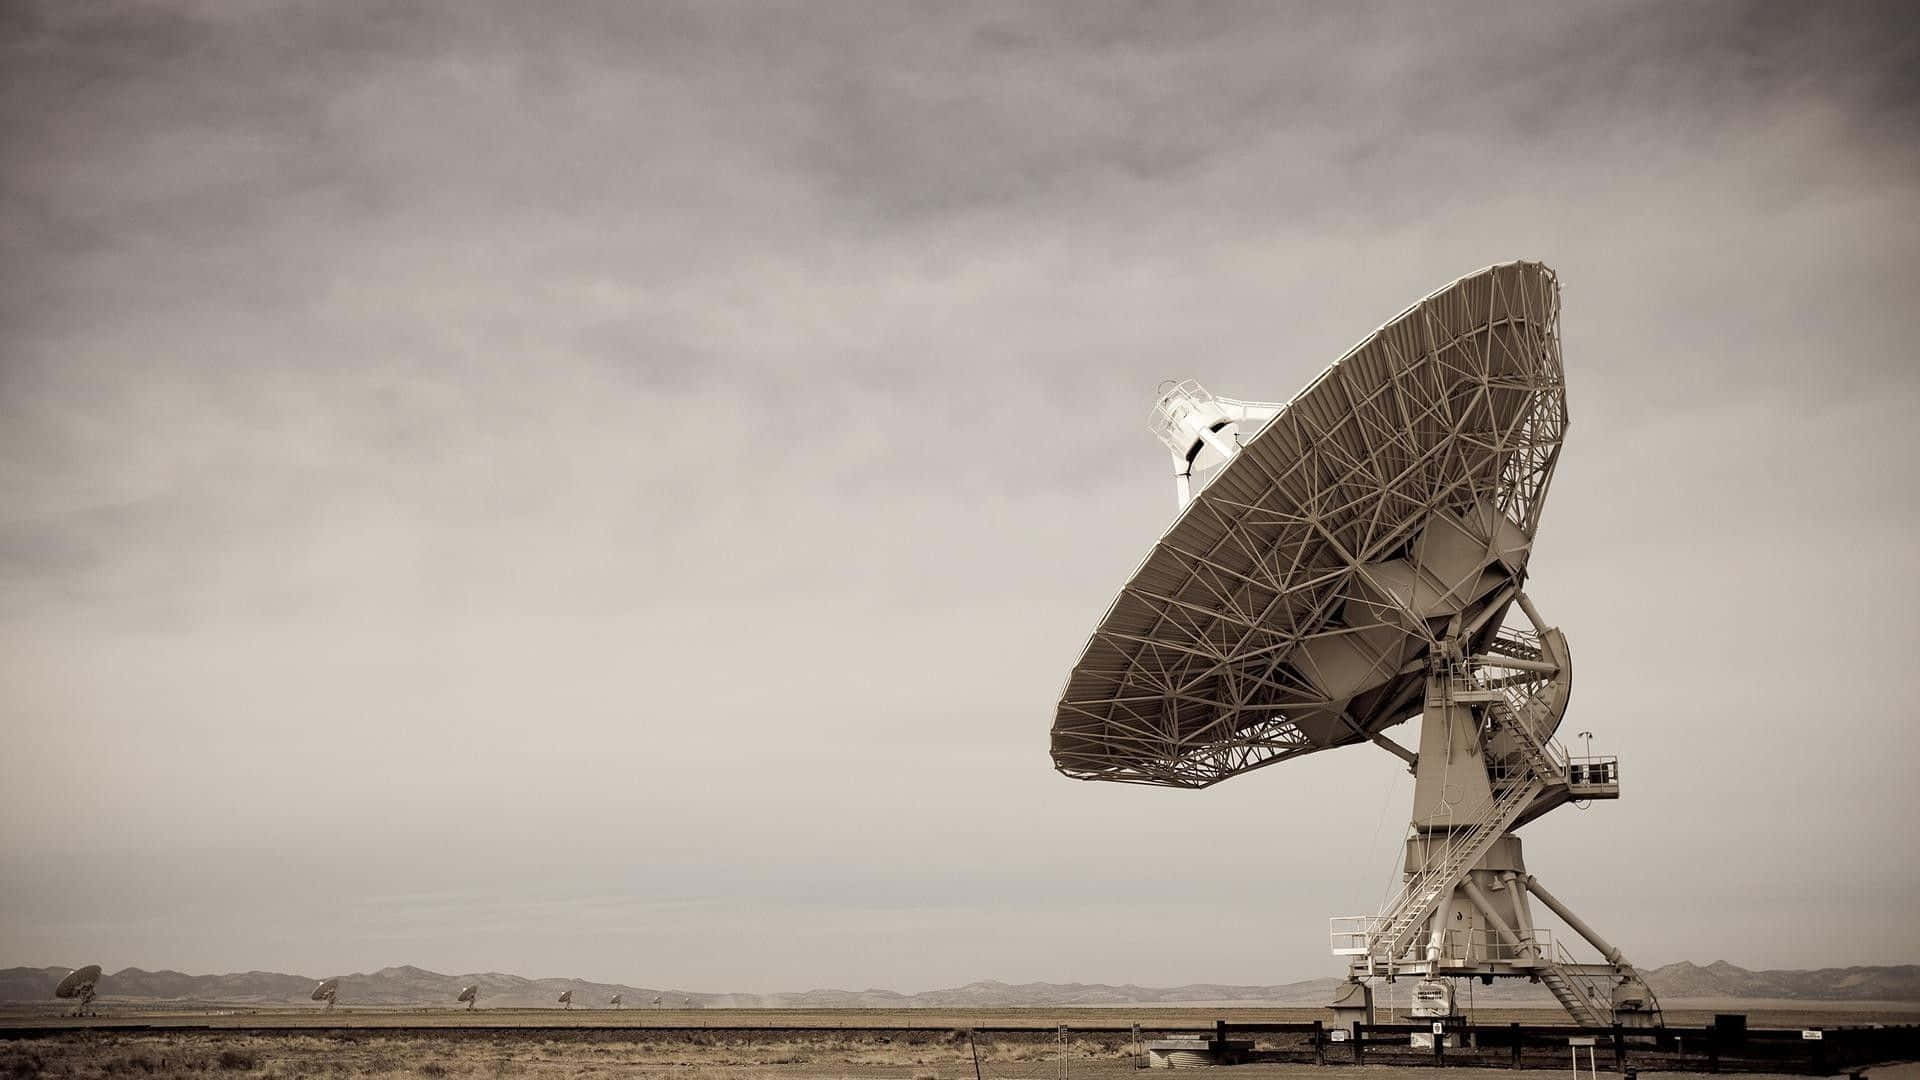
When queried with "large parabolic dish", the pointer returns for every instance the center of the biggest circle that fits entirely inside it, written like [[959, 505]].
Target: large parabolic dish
[[1294, 603]]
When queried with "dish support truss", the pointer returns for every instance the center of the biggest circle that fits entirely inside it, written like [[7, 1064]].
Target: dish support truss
[[1488, 764]]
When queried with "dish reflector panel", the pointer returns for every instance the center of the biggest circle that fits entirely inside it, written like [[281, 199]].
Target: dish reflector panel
[[1292, 605]]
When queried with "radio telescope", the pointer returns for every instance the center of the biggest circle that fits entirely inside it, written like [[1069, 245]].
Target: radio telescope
[[1351, 560], [566, 998], [79, 984], [470, 995], [327, 991], [618, 1000], [656, 1001]]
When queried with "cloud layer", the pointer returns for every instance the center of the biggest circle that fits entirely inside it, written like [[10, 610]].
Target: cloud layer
[[615, 492]]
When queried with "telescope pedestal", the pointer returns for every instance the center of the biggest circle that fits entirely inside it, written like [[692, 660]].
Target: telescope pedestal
[[1488, 764]]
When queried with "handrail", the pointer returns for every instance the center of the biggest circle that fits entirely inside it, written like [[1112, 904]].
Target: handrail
[[1422, 889], [1514, 701], [1597, 996], [1485, 943]]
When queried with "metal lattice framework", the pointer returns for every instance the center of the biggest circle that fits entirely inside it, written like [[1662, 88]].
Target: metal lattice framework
[[1294, 604]]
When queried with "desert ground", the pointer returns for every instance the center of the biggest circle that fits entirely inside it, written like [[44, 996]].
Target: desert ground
[[597, 1054], [1685, 1012], [709, 1044]]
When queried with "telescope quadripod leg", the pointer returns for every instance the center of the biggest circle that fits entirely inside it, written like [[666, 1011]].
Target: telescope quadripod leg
[[1488, 764]]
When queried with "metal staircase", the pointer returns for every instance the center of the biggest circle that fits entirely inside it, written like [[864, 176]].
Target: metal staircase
[[1391, 934], [1543, 758], [1575, 992], [1388, 937]]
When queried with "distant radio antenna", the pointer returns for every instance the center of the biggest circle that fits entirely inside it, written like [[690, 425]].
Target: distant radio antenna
[[566, 998], [79, 984], [328, 991], [469, 995], [618, 1000], [656, 1001]]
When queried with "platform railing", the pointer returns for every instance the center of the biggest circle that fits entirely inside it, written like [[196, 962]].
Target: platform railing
[[1352, 935], [1481, 945]]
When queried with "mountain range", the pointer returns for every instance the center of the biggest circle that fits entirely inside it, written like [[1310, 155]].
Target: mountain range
[[408, 985]]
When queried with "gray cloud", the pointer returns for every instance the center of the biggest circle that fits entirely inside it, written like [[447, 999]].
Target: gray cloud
[[616, 492]]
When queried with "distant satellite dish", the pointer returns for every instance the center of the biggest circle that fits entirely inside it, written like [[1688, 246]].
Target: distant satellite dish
[[1351, 560], [618, 1000], [327, 991], [79, 983], [566, 998], [469, 995], [656, 1001]]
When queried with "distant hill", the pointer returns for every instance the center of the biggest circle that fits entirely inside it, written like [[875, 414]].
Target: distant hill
[[404, 985], [1721, 979], [408, 985]]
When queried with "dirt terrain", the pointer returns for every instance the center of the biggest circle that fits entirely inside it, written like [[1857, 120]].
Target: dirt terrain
[[694, 1045], [1683, 1012]]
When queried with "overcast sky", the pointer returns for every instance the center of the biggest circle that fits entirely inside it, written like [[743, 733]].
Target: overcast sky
[[614, 490]]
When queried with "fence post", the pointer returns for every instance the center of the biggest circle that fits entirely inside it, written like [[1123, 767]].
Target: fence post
[[1359, 1043], [1819, 1062], [1713, 1049], [1439, 1040], [1515, 1029], [1619, 1051], [1319, 1043]]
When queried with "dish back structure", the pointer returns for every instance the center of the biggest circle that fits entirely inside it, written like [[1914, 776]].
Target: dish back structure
[[1289, 607]]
